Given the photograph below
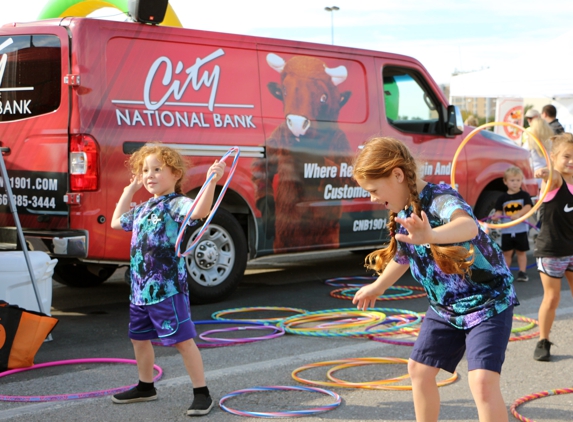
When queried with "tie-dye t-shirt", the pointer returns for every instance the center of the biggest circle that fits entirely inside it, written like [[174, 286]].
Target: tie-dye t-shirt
[[156, 271], [463, 301]]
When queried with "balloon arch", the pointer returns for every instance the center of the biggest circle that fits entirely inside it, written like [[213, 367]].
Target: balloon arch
[[62, 8]]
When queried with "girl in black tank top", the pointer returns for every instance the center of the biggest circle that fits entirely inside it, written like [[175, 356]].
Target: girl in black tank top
[[554, 245]]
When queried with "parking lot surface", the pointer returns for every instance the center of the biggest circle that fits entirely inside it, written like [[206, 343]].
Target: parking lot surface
[[93, 324]]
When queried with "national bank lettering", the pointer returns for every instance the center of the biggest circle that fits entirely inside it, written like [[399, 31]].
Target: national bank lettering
[[177, 81]]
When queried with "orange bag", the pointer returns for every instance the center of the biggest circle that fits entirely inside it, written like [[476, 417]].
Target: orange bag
[[22, 332]]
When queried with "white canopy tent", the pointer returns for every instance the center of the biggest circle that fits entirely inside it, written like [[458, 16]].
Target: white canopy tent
[[532, 76]]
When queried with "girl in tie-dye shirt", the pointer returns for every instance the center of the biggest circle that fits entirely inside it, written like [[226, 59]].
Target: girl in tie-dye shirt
[[159, 299], [434, 233]]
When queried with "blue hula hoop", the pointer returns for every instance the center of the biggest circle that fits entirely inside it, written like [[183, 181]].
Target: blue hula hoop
[[203, 229]]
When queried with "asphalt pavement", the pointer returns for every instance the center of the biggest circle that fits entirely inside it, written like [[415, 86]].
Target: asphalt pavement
[[93, 324]]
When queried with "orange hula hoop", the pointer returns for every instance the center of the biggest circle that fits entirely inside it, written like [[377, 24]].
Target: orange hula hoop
[[545, 155]]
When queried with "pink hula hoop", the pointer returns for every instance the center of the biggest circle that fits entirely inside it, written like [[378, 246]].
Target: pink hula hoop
[[203, 229], [73, 396]]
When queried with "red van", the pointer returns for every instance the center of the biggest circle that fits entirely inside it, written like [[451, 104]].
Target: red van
[[78, 95]]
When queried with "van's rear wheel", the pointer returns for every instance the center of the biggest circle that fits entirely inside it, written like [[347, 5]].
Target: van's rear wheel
[[217, 264], [82, 275]]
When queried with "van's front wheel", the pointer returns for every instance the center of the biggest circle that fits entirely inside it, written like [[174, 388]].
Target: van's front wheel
[[217, 264]]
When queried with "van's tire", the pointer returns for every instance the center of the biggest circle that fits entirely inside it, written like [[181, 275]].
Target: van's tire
[[79, 275], [217, 264], [485, 207]]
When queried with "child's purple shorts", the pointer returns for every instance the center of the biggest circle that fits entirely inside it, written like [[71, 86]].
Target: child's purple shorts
[[441, 345], [168, 320]]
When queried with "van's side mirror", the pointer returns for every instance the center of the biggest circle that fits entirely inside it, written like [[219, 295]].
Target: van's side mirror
[[455, 123]]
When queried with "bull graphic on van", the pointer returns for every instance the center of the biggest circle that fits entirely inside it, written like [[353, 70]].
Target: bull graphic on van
[[293, 207]]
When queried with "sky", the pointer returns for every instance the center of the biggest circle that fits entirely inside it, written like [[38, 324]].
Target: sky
[[446, 36]]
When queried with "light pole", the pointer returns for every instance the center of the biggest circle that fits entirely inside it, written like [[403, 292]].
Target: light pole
[[332, 10]]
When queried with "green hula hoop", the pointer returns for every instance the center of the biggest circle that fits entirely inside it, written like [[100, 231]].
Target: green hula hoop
[[285, 324]]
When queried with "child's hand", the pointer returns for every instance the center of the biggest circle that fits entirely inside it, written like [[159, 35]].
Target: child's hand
[[217, 169], [135, 183], [542, 173], [366, 297], [419, 229]]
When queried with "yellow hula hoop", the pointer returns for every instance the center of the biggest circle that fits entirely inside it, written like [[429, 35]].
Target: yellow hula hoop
[[298, 378], [380, 384], [545, 155]]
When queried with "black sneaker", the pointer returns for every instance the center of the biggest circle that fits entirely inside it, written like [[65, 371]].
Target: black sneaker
[[201, 405], [541, 352], [134, 396], [521, 276]]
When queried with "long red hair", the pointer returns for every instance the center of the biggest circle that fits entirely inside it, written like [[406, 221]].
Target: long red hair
[[377, 160]]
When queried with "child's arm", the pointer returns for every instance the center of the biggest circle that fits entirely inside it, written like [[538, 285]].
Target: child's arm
[[205, 202], [461, 228], [497, 215], [366, 297], [123, 205]]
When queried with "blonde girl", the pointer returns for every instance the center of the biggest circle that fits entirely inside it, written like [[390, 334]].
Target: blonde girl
[[554, 246], [434, 233], [542, 131]]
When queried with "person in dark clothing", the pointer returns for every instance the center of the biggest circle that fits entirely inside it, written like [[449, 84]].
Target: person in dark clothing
[[549, 113]]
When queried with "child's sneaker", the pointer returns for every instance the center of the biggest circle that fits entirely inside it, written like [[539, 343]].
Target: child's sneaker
[[201, 405], [541, 352], [134, 395], [521, 276]]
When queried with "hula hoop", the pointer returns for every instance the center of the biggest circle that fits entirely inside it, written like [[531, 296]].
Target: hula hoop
[[213, 344], [526, 336], [347, 293], [388, 338], [277, 332], [203, 229], [74, 396], [300, 319], [526, 222], [545, 155], [380, 384], [291, 413], [529, 326], [334, 282], [218, 315], [534, 396], [368, 318]]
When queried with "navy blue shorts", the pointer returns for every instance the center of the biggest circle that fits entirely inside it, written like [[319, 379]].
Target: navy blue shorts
[[168, 320], [441, 345]]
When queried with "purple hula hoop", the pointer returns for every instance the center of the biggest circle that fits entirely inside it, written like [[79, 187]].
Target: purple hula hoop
[[527, 223], [203, 229], [277, 332], [73, 396]]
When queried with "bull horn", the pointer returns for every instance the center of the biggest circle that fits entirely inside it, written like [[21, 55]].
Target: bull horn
[[338, 74], [276, 62]]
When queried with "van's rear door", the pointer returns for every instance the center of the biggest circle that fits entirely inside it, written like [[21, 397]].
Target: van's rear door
[[34, 114]]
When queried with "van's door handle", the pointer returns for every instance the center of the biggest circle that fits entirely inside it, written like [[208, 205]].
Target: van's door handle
[[5, 150]]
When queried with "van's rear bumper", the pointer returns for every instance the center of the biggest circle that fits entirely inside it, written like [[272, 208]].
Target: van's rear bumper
[[58, 243]]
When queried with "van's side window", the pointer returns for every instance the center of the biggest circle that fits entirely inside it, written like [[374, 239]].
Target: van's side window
[[409, 106], [30, 76]]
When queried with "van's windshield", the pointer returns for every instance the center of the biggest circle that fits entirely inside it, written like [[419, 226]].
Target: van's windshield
[[30, 76]]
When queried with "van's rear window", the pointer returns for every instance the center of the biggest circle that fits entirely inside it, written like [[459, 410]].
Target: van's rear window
[[30, 76]]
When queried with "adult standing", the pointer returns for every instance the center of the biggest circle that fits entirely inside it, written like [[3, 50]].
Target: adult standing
[[549, 113]]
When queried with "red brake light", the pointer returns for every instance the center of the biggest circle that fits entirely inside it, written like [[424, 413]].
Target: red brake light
[[84, 163]]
